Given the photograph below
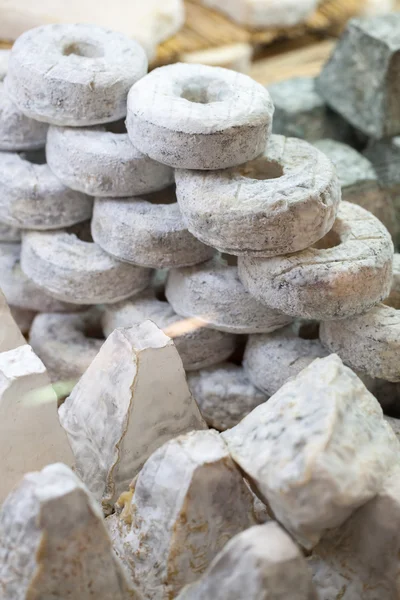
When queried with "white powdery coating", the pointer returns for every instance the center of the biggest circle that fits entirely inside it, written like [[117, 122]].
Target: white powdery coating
[[199, 117], [102, 163], [30, 433], [10, 334], [213, 294], [76, 271], [317, 450], [188, 501], [20, 291], [284, 201], [132, 399], [272, 359], [368, 342], [145, 233], [18, 132], [332, 282], [54, 543], [360, 560], [265, 13], [63, 344], [83, 73], [31, 197], [224, 394], [198, 346], [262, 563], [9, 234]]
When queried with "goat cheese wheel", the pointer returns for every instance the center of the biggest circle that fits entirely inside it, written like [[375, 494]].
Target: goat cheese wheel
[[369, 342], [64, 342], [224, 394], [146, 233], [281, 202], [198, 346], [213, 293], [17, 132], [20, 291], [31, 197], [345, 274], [272, 359], [100, 163], [199, 117], [83, 72], [77, 271]]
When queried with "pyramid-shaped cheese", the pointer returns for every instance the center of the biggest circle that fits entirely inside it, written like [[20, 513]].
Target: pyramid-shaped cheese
[[261, 563], [316, 450], [132, 399], [188, 501], [30, 433], [361, 559], [53, 542]]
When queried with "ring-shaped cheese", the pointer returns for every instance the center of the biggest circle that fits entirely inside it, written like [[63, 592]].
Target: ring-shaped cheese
[[64, 342], [146, 233], [31, 197], [369, 343], [17, 131], [103, 163], [282, 202], [345, 274], [199, 117], [20, 291], [73, 74], [372, 359], [213, 293], [198, 346], [77, 271], [271, 359], [224, 394]]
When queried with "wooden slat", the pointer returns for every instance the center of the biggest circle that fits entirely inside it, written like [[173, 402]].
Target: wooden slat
[[300, 62], [207, 28]]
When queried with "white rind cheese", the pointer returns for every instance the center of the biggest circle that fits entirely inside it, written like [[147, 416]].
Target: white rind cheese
[[53, 542], [262, 563], [316, 450], [132, 399], [188, 501]]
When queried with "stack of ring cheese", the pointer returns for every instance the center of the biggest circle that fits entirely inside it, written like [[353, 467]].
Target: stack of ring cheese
[[179, 170]]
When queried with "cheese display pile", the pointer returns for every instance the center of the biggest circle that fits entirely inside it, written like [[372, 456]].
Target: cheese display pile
[[213, 269]]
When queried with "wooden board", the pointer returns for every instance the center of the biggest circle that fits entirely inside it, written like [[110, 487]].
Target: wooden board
[[292, 61], [206, 28]]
